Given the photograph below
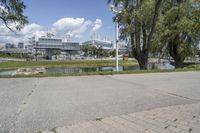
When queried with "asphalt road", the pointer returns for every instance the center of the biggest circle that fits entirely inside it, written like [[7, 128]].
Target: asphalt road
[[33, 104]]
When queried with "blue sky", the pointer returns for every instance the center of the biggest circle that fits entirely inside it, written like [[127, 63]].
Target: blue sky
[[47, 12], [79, 19]]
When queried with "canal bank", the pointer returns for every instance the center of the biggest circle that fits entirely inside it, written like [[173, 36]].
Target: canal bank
[[66, 70]]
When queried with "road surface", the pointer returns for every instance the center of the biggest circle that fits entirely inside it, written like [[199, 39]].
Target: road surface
[[33, 104]]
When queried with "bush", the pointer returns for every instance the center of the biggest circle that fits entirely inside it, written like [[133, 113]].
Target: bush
[[14, 55]]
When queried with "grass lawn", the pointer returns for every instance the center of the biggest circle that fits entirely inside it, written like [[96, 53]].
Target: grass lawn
[[102, 73], [62, 64]]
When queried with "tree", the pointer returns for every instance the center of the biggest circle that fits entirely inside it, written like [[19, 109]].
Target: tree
[[89, 50], [178, 29], [56, 52], [113, 53], [137, 25], [100, 52], [11, 14]]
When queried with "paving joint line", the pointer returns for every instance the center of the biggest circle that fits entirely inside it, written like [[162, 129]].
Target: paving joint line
[[145, 87]]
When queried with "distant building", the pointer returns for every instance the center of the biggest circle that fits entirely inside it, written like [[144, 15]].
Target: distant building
[[123, 49], [9, 46], [51, 44], [57, 44], [32, 41], [106, 45], [71, 46], [15, 50], [20, 45], [1, 48], [29, 48]]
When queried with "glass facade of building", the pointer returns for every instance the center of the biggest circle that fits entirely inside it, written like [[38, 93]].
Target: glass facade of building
[[52, 43], [49, 43], [71, 46]]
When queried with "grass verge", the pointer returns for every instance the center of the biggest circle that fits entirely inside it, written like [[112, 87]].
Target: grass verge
[[101, 73], [62, 64]]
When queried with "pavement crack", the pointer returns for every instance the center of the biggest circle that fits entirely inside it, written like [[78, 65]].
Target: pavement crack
[[26, 98], [151, 88], [22, 107], [182, 96], [121, 80]]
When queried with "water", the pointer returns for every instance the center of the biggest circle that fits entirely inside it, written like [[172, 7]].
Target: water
[[12, 72], [93, 69], [97, 69]]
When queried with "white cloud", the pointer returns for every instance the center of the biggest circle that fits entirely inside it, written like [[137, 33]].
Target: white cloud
[[70, 26], [20, 36], [97, 25], [3, 28], [31, 29], [75, 27]]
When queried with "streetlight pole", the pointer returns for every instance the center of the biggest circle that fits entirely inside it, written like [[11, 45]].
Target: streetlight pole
[[116, 10], [117, 49]]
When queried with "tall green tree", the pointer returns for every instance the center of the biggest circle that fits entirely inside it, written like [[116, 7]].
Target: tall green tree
[[137, 24], [12, 13], [178, 29]]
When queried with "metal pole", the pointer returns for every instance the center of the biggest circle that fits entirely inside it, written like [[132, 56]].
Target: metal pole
[[36, 55], [117, 40]]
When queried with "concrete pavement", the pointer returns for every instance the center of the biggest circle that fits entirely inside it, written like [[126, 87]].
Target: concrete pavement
[[34, 104]]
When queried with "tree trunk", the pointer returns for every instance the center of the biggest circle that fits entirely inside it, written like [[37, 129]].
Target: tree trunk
[[177, 56], [140, 48], [143, 63], [178, 60], [178, 63]]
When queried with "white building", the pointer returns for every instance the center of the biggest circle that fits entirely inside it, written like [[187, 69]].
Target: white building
[[56, 44], [106, 45], [20, 45], [51, 44]]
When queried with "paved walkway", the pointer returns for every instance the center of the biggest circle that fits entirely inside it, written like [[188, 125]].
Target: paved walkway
[[28, 105], [173, 119]]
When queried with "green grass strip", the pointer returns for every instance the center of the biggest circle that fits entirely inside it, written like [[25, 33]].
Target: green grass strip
[[100, 73]]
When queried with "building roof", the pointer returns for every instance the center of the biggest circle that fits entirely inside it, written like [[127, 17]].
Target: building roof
[[101, 43]]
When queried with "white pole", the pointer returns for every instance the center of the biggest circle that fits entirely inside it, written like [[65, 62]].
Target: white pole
[[117, 40]]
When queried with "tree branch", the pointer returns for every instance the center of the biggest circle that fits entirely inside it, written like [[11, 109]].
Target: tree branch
[[156, 13]]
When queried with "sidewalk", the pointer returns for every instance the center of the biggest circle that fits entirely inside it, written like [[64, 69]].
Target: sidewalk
[[173, 119]]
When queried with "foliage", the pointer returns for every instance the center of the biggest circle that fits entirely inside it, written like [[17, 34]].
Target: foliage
[[14, 55], [113, 53], [89, 50], [178, 29], [198, 52], [137, 23], [56, 52], [175, 22], [11, 14], [93, 51]]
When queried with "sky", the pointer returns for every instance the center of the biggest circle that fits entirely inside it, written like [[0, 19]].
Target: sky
[[79, 19]]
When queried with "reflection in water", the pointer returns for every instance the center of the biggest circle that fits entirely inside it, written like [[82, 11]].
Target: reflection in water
[[107, 69], [164, 65], [98, 69], [12, 72]]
